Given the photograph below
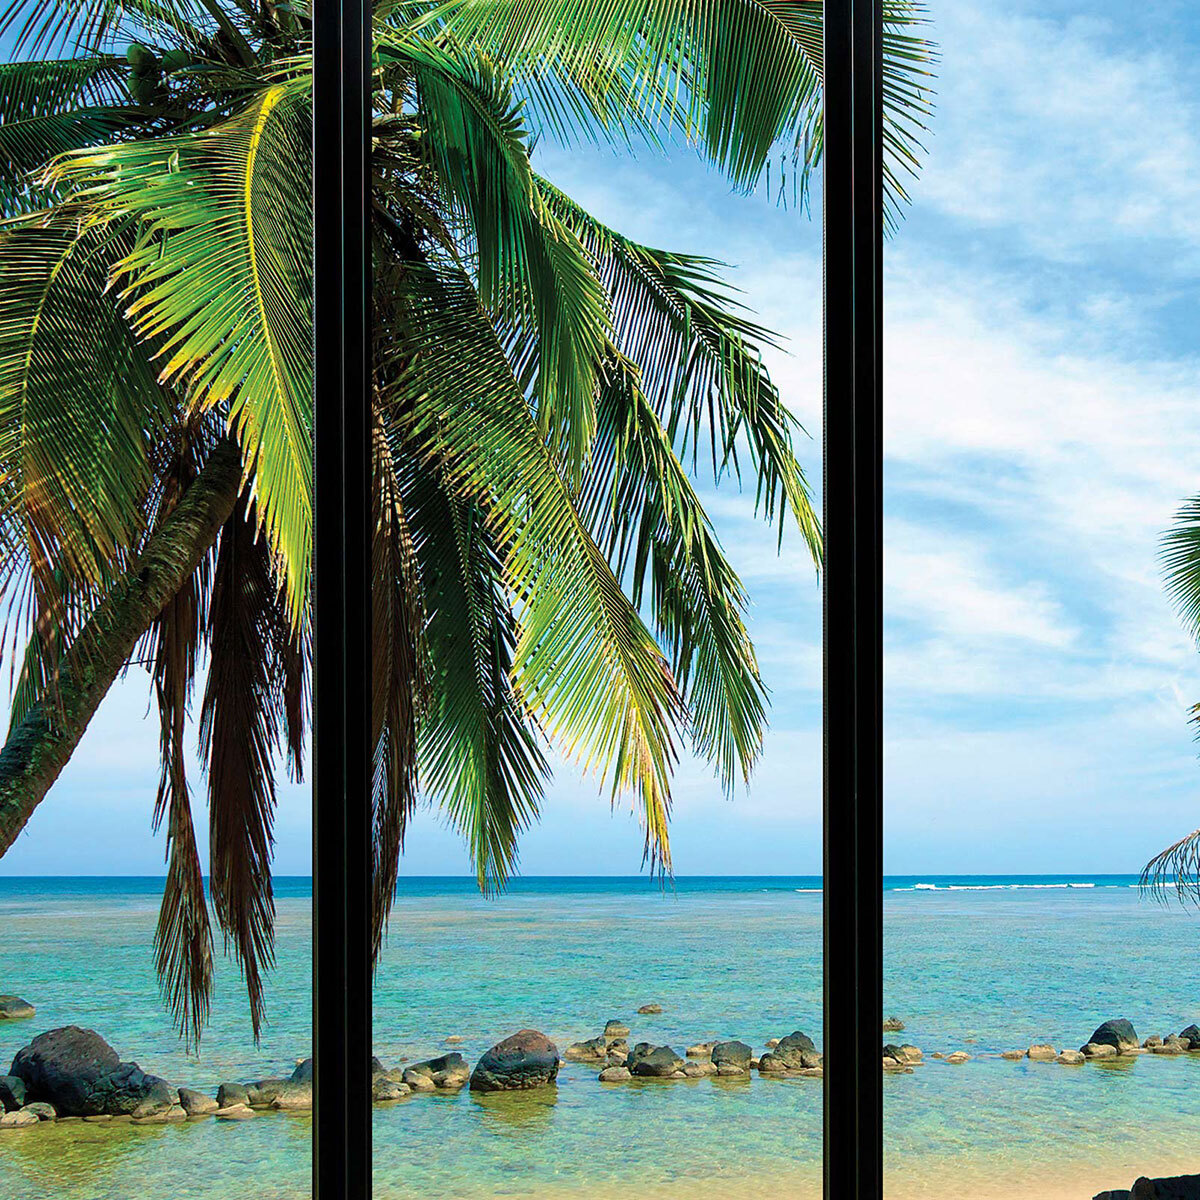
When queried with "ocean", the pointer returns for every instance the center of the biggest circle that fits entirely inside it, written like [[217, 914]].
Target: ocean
[[981, 964]]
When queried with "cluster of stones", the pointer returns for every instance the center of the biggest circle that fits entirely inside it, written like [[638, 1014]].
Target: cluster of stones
[[794, 1054], [1112, 1039], [73, 1074], [1175, 1187]]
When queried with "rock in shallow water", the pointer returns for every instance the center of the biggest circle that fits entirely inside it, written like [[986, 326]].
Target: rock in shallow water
[[731, 1056], [13, 1008], [196, 1104], [448, 1071], [78, 1072], [1119, 1034], [1042, 1052], [655, 1062], [527, 1059], [893, 1025], [650, 1009], [615, 1075], [1070, 1058], [18, 1120]]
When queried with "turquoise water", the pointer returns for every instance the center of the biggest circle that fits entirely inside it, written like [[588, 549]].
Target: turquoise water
[[977, 965]]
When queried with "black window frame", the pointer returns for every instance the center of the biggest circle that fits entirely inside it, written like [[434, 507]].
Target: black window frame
[[852, 601]]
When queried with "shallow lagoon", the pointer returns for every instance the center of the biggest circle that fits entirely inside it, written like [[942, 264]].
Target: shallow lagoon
[[980, 970]]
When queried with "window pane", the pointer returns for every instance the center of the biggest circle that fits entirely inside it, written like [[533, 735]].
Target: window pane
[[1041, 426], [155, 436], [578, 592]]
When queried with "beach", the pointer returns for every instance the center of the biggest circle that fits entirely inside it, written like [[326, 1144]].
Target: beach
[[981, 966]]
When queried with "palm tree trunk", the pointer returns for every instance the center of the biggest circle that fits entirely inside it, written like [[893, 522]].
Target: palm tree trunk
[[40, 746]]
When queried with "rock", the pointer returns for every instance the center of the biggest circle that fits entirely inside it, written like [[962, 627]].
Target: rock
[[959, 1056], [615, 1075], [78, 1072], [1119, 1034], [385, 1089], [787, 1054], [12, 1093], [42, 1110], [1042, 1052], [232, 1095], [772, 1043], [650, 1009], [196, 1104], [454, 1039], [261, 1093], [235, 1112], [298, 1097], [732, 1055], [97, 1119], [304, 1071], [1070, 1058], [527, 1059], [162, 1116], [419, 1082], [449, 1071], [593, 1050], [615, 1029], [893, 1025], [13, 1008], [1191, 1035], [1152, 1042], [1012, 1055], [1169, 1047], [893, 1058], [698, 1070], [18, 1120], [939, 1054], [654, 1061], [701, 1050], [1098, 1050], [911, 1054], [1176, 1187]]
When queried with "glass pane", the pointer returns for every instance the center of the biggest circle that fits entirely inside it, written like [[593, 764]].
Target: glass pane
[[581, 596], [155, 540], [1040, 436]]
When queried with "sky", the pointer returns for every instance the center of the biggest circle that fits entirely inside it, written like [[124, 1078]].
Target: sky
[[1041, 428]]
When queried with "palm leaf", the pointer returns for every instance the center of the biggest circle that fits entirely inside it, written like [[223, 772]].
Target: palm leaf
[[584, 662], [530, 269], [646, 515], [222, 275], [699, 361], [240, 720]]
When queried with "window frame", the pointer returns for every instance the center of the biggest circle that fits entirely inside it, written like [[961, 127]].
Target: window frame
[[852, 601]]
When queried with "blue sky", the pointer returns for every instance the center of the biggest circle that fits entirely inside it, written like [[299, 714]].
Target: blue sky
[[1041, 426]]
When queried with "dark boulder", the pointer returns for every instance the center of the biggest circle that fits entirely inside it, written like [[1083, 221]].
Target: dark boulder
[[1191, 1035], [78, 1072], [653, 1061], [1175, 1187], [792, 1053], [232, 1095], [730, 1056], [527, 1059], [262, 1092], [13, 1008], [12, 1093], [1119, 1034], [303, 1072]]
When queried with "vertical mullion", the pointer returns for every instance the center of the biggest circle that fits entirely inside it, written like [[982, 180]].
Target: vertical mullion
[[342, 858], [853, 604]]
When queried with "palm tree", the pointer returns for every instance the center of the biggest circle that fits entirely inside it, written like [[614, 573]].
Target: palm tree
[[544, 570], [1175, 872]]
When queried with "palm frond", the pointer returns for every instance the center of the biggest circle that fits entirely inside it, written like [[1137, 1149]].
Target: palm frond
[[699, 361], [183, 936], [584, 663], [222, 275], [48, 108], [530, 269], [1174, 874], [239, 735], [741, 77], [399, 685], [80, 27], [1179, 555], [647, 517], [79, 406]]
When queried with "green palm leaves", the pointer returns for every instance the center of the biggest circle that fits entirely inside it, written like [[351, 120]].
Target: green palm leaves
[[545, 575]]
